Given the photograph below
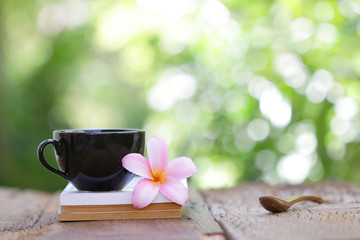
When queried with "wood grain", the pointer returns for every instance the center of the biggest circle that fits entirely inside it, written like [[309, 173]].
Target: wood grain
[[32, 215], [41, 222], [239, 213], [20, 210], [197, 212]]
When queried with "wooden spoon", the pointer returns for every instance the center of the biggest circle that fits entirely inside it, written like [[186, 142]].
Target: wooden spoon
[[277, 205]]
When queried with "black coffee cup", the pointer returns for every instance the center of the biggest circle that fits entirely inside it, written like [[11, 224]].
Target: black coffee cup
[[91, 159]]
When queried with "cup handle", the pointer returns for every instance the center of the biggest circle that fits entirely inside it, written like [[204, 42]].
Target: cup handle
[[40, 154]]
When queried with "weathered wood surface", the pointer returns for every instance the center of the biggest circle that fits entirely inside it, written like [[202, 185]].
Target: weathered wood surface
[[241, 217], [32, 215]]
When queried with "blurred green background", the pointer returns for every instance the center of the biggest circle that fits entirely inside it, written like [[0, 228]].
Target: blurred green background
[[250, 90]]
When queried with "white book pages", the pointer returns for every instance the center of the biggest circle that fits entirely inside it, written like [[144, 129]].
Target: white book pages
[[70, 196]]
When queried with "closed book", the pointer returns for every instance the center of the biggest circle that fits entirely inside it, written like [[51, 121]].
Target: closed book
[[119, 208], [71, 196], [83, 216], [78, 205]]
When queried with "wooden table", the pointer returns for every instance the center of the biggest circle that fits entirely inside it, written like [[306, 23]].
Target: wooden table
[[233, 213]]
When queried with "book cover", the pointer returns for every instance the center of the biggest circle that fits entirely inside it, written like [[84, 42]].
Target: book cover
[[83, 216], [119, 208], [73, 197]]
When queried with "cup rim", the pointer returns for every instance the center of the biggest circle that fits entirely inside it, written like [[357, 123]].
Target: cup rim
[[100, 131]]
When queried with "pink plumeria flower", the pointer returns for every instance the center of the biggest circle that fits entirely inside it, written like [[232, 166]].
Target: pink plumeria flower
[[159, 175]]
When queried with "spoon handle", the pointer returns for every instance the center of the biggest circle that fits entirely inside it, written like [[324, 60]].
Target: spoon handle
[[310, 198]]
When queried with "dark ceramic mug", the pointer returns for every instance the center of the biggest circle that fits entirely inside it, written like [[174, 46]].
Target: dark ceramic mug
[[91, 159]]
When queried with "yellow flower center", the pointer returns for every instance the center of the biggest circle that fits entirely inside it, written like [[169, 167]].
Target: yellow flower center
[[159, 176]]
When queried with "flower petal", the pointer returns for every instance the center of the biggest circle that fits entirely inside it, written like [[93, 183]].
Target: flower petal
[[180, 168], [136, 163], [158, 154], [174, 190], [145, 192]]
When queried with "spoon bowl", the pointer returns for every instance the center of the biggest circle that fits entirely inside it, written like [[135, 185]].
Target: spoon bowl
[[276, 205]]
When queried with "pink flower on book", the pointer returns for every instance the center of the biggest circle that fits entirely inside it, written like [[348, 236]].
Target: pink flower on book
[[159, 174]]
